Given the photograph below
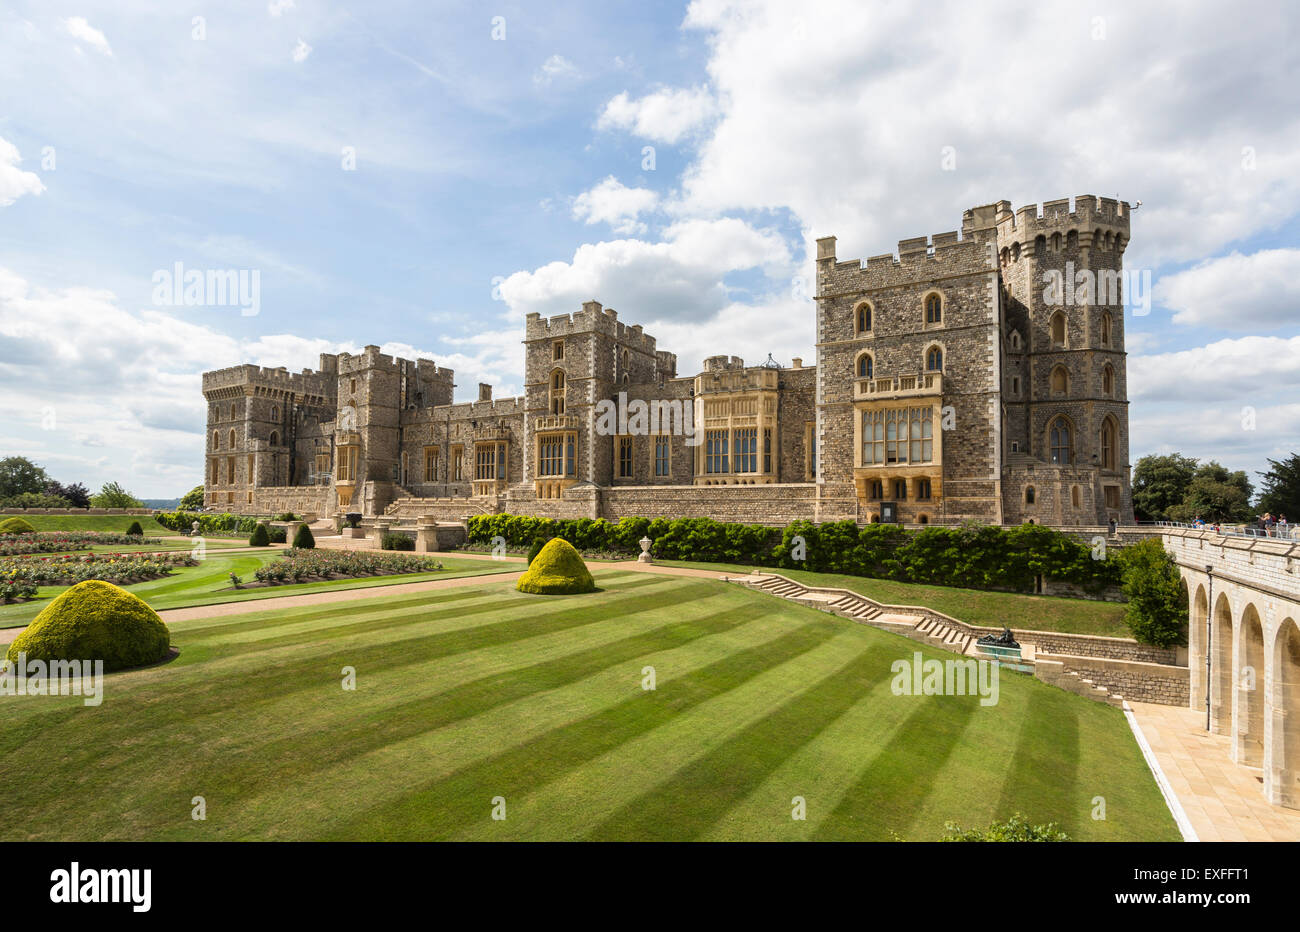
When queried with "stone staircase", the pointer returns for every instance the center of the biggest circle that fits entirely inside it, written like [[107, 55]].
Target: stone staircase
[[411, 507], [919, 624]]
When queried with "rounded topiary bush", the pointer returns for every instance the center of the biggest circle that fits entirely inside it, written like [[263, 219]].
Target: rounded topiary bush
[[95, 620], [16, 526], [535, 548], [556, 570], [135, 530], [260, 537], [303, 539]]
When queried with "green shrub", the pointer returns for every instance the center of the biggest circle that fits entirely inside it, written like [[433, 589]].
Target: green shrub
[[135, 530], [260, 537], [395, 540], [16, 526], [95, 620], [535, 548], [1017, 828], [278, 535], [302, 538], [1157, 608], [286, 516], [558, 569]]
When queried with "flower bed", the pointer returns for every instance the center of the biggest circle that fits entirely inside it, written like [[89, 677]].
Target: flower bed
[[20, 577], [62, 541], [306, 565]]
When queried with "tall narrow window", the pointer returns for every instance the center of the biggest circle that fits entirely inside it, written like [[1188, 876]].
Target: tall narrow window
[[663, 447], [934, 359], [557, 351], [1029, 495], [232, 439], [1109, 444], [1105, 329], [557, 392], [933, 309], [1062, 451], [900, 489], [430, 464], [216, 440], [1060, 381], [625, 457], [923, 489], [715, 452], [275, 438], [1058, 329], [767, 449], [457, 463], [746, 449], [865, 366], [863, 321], [1108, 381]]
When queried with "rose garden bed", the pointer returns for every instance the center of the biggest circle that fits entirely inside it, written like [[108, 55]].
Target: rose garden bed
[[16, 545], [298, 566], [20, 577]]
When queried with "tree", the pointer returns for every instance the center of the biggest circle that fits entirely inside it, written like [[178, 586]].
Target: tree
[[303, 539], [1157, 608], [112, 495], [192, 500], [1280, 491], [19, 475], [77, 494], [1215, 495], [1160, 483]]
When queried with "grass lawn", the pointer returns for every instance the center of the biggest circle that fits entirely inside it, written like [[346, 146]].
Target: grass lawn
[[469, 694], [209, 583], [117, 523], [158, 547], [973, 606]]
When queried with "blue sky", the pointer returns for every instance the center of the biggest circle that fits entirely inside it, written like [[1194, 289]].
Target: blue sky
[[500, 175]]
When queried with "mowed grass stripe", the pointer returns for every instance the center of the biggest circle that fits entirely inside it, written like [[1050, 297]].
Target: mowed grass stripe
[[1043, 769], [437, 809], [275, 749], [219, 685], [699, 794], [388, 773], [901, 774], [575, 804]]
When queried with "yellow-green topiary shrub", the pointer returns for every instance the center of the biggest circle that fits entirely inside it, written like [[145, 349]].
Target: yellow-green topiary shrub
[[556, 570], [95, 620], [16, 526]]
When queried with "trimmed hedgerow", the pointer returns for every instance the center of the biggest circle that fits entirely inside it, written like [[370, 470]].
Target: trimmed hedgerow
[[303, 539], [971, 556], [16, 526], [95, 621], [558, 569], [395, 540]]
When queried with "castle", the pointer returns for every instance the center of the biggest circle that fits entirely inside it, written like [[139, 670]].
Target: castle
[[955, 381]]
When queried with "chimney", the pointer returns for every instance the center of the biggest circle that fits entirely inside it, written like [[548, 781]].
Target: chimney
[[484, 391], [796, 363]]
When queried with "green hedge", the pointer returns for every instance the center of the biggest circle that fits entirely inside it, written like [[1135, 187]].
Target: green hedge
[[395, 540], [970, 556]]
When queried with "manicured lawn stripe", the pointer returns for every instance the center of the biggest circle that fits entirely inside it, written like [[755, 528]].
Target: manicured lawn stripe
[[435, 810], [1043, 768], [699, 794]]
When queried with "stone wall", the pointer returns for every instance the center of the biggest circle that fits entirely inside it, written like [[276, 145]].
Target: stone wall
[[1134, 680]]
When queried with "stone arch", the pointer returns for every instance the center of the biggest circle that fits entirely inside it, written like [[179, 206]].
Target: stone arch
[[1248, 735], [1282, 777], [1221, 667], [862, 317], [275, 438], [1059, 440], [864, 366], [933, 358], [232, 438], [932, 308], [1198, 611]]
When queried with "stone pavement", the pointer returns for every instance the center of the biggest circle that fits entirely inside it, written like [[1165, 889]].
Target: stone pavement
[[1223, 801]]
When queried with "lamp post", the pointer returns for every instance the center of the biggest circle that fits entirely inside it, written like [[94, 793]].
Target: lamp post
[[1209, 616]]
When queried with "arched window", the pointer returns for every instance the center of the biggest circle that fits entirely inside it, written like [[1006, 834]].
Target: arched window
[[862, 318], [1060, 381], [275, 412], [933, 309], [1108, 381], [275, 438], [934, 359], [1105, 328], [1058, 442], [216, 440], [557, 391], [1056, 242], [865, 366], [624, 358], [1109, 444], [1029, 495], [1040, 246], [1015, 252], [232, 438], [1058, 329], [1076, 497], [232, 410], [1015, 340], [1072, 239]]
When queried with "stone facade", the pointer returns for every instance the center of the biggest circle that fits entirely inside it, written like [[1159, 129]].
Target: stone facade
[[950, 385]]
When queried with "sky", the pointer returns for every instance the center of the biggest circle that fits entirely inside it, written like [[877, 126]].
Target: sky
[[422, 175]]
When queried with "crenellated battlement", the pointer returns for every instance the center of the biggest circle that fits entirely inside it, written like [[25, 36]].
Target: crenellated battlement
[[1090, 214], [921, 257], [249, 376], [591, 319], [425, 370]]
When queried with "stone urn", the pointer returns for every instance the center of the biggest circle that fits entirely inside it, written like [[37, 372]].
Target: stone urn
[[644, 556], [194, 529]]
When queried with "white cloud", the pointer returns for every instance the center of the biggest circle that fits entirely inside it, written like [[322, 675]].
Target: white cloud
[[666, 115], [1249, 370], [300, 52], [78, 28], [613, 203], [14, 182], [557, 66], [1237, 292], [678, 278], [279, 7]]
